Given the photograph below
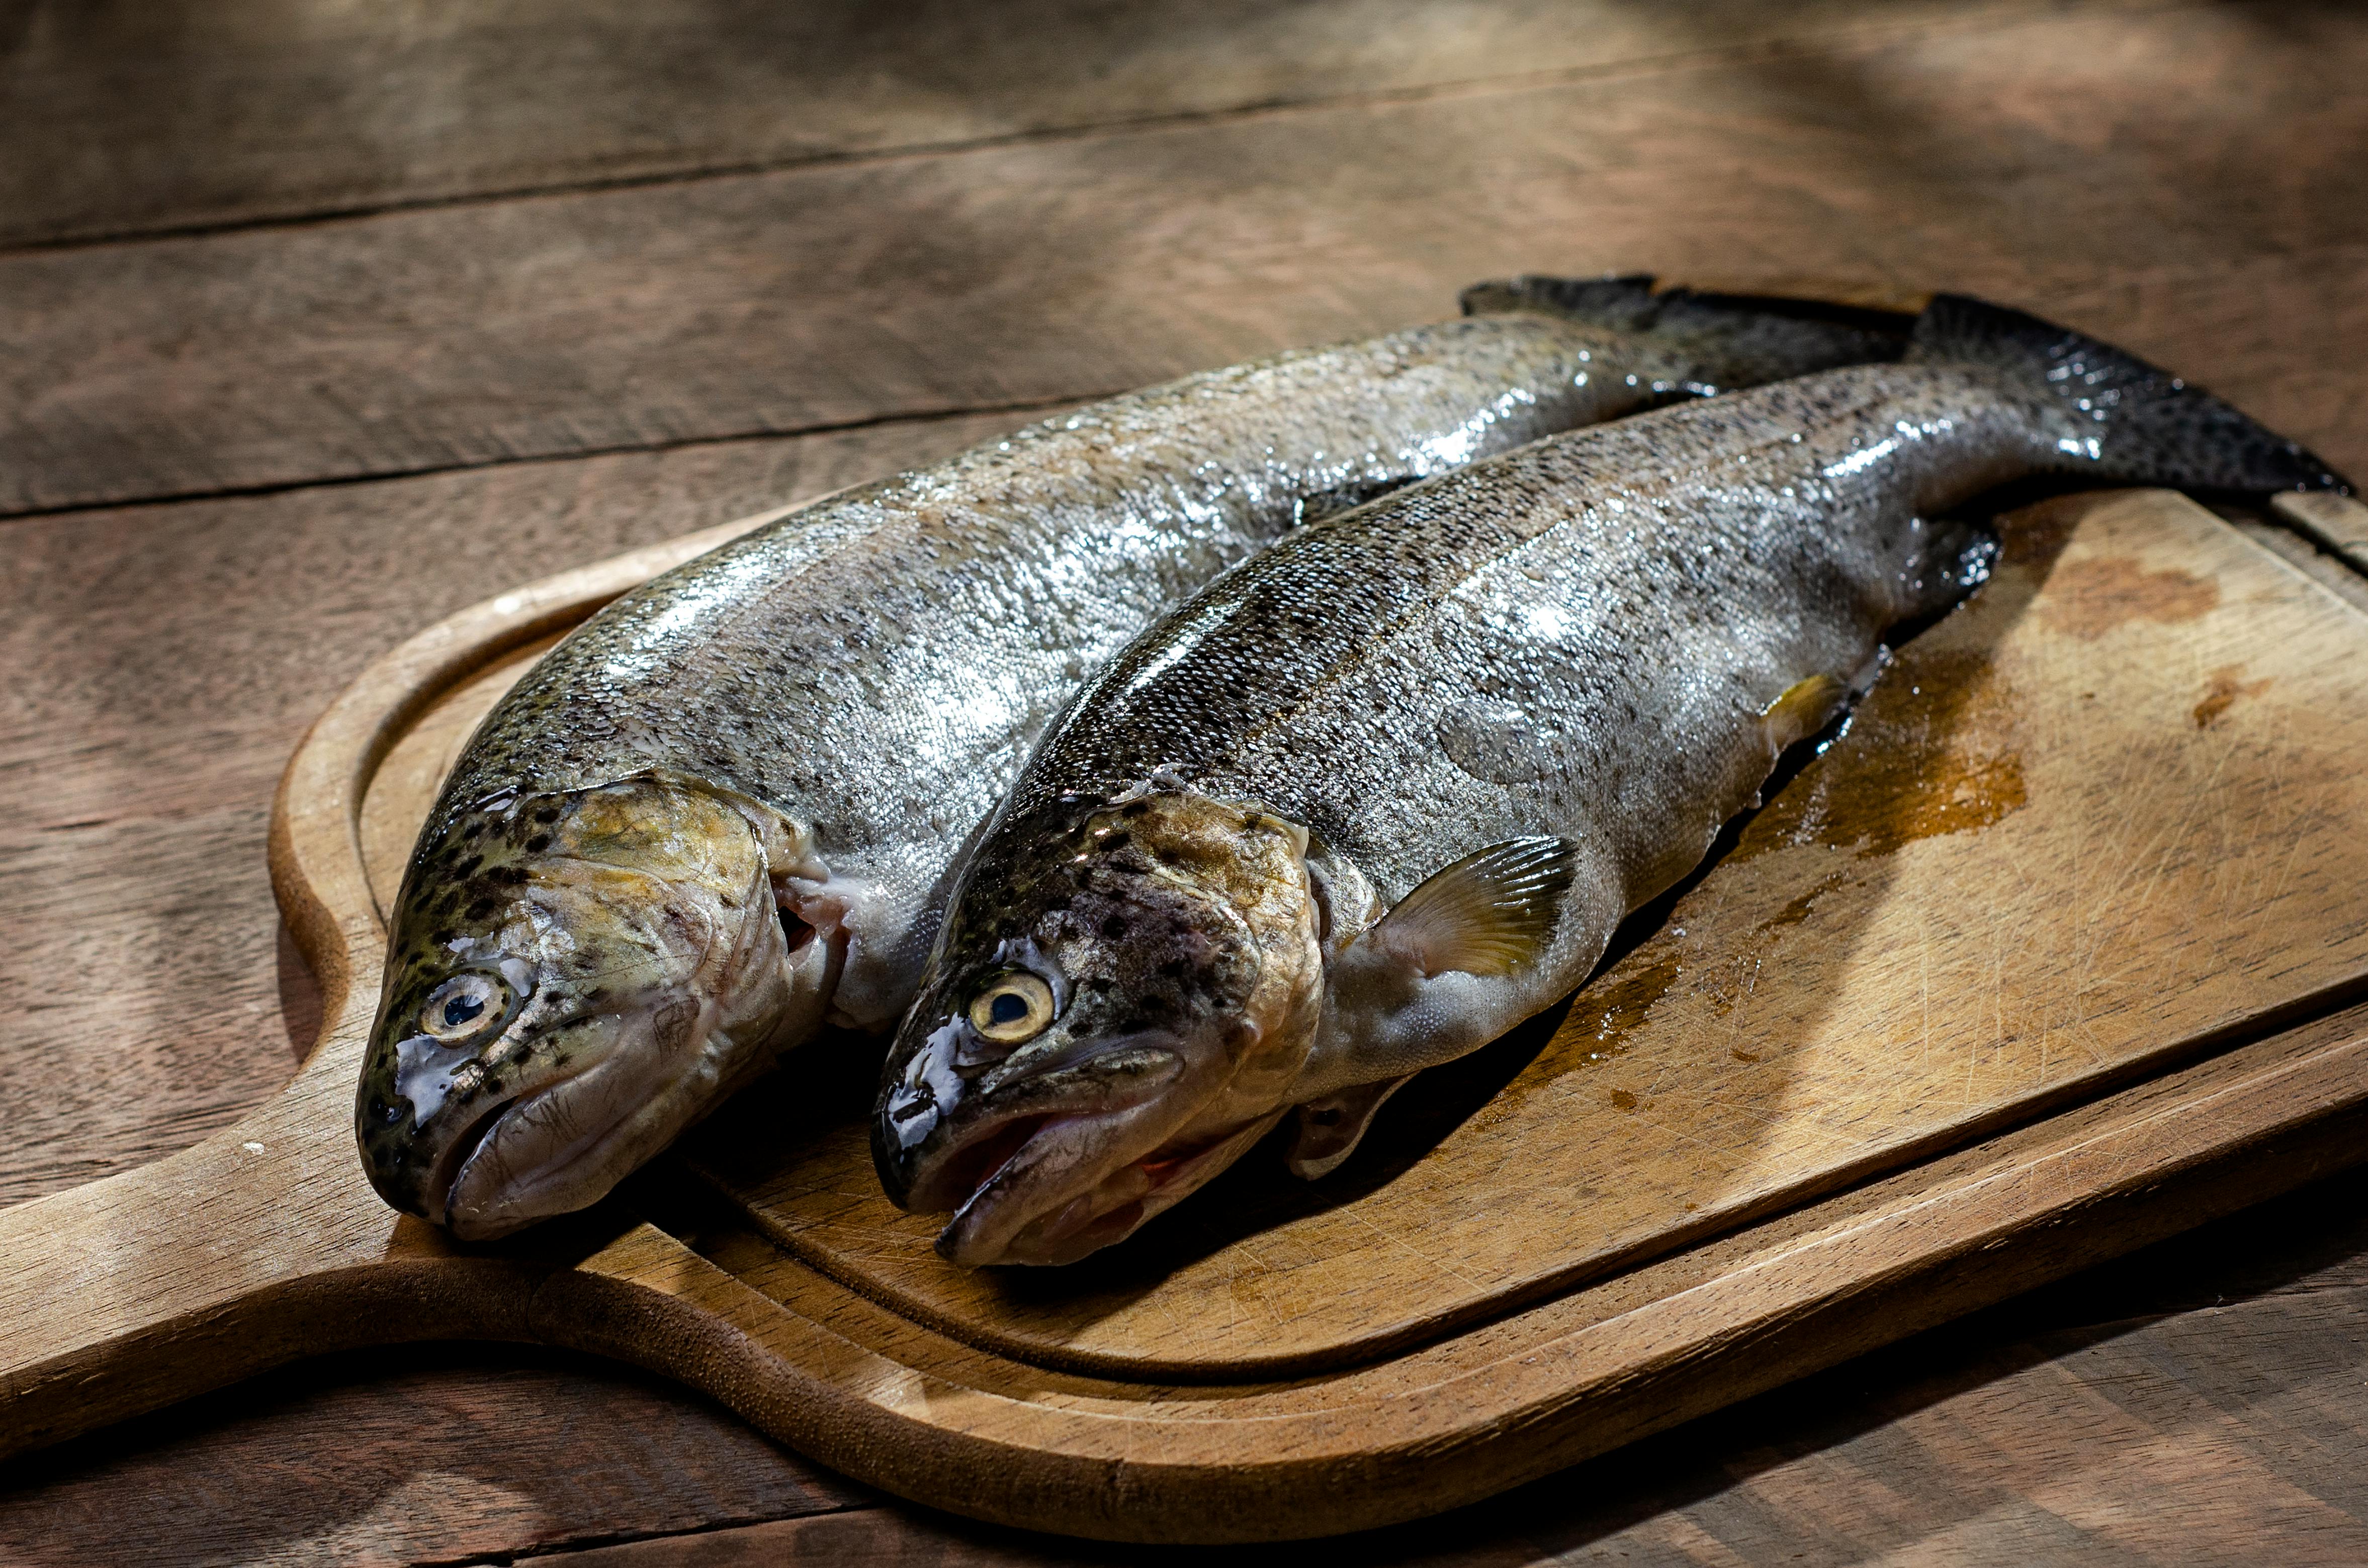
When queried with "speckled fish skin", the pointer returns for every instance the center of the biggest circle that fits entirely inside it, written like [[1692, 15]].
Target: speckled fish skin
[[854, 686], [1577, 650]]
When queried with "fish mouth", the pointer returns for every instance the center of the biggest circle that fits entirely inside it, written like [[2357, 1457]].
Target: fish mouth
[[1073, 1160], [970, 1133], [485, 1192], [558, 1144], [1026, 1204]]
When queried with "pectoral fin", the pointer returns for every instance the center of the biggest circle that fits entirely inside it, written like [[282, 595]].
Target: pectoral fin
[[1330, 1129], [1490, 912], [1804, 707]]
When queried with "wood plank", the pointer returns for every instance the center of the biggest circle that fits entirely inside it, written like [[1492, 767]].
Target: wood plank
[[160, 674], [839, 293], [2078, 1425], [2198, 1401], [126, 118], [438, 1453]]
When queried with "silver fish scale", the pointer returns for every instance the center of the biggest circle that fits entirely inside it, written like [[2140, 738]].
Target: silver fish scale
[[874, 666], [1577, 639]]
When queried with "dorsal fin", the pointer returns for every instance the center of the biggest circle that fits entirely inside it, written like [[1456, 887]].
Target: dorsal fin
[[1490, 912]]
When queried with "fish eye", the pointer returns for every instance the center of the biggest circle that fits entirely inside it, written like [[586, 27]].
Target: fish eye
[[463, 1006], [1013, 1008]]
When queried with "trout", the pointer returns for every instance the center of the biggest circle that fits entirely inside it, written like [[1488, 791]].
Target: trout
[[1385, 790]]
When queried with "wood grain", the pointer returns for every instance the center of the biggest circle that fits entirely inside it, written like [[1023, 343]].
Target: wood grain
[[2003, 1457], [483, 1451], [2337, 524], [160, 674], [131, 117], [841, 293], [2033, 1432]]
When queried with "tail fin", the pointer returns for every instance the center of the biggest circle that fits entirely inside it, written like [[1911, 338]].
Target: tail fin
[[1725, 340], [2138, 423]]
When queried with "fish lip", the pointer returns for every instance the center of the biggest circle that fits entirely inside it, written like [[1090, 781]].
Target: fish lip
[[1071, 1225], [444, 1189], [434, 1192], [918, 1179]]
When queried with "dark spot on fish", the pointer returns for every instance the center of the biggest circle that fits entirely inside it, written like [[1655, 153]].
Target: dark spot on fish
[[1118, 841], [484, 907], [1115, 928], [538, 844]]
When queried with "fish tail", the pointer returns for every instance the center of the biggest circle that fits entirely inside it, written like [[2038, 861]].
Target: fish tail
[[2136, 423], [1720, 340]]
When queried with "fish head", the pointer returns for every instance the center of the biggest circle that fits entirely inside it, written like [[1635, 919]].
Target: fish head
[[574, 977], [1122, 996]]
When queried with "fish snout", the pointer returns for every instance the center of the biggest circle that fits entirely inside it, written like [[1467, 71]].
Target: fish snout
[[941, 1130], [564, 1130]]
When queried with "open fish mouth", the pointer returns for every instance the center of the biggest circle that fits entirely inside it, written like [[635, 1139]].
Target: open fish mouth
[[1025, 1191]]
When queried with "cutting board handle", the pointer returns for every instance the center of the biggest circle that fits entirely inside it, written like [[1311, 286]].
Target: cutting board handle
[[261, 1244], [265, 1243]]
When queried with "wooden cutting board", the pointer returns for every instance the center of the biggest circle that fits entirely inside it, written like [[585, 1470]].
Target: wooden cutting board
[[2054, 952]]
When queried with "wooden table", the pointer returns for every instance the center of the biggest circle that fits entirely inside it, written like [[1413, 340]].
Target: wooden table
[[318, 321]]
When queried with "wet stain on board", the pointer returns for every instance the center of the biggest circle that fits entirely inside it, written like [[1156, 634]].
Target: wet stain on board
[[1929, 753], [1619, 1005], [2221, 690], [2088, 597], [1602, 1016], [1797, 910], [1901, 773]]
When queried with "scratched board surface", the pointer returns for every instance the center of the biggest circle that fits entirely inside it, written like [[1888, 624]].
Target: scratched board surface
[[2098, 814]]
